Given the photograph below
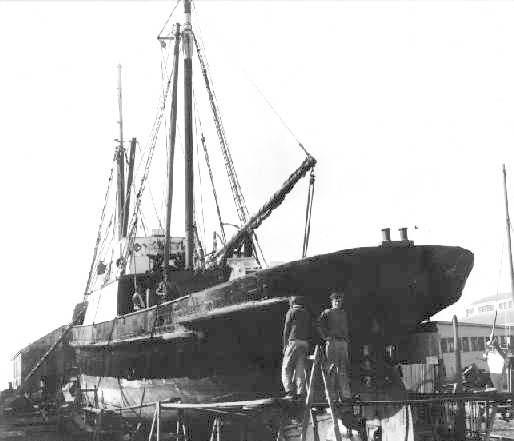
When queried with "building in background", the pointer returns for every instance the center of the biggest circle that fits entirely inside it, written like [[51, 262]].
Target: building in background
[[427, 356], [54, 369], [483, 311]]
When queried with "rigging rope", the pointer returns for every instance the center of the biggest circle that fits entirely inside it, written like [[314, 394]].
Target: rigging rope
[[237, 193], [151, 149], [199, 183], [308, 215], [211, 175], [168, 19], [99, 235], [279, 117]]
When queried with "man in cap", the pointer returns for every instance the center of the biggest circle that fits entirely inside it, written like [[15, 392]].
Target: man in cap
[[333, 328], [297, 332]]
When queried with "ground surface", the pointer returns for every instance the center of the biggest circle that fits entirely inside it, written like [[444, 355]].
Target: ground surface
[[31, 427]]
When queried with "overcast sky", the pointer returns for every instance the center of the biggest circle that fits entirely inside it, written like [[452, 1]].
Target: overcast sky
[[408, 107]]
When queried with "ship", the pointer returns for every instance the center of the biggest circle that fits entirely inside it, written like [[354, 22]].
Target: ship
[[211, 322]]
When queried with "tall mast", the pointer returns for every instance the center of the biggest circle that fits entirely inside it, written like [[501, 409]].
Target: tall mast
[[132, 154], [187, 44], [508, 231], [120, 157], [173, 131]]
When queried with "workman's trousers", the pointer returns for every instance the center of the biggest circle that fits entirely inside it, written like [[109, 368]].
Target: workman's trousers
[[338, 369], [293, 366]]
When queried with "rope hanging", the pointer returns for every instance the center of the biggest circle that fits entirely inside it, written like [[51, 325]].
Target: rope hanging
[[308, 215]]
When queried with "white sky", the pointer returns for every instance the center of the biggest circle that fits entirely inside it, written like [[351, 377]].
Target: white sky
[[408, 107]]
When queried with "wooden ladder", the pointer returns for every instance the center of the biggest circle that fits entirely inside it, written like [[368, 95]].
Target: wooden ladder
[[319, 364]]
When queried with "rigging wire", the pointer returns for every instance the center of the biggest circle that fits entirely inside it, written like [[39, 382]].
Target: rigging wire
[[199, 179], [168, 20], [207, 162], [256, 87], [237, 192], [279, 116], [151, 149], [154, 206], [102, 216]]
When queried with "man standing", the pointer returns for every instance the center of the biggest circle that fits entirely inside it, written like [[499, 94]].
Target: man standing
[[333, 328], [297, 332]]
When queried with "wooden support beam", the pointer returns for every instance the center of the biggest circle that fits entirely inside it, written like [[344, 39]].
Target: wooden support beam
[[158, 420], [153, 426]]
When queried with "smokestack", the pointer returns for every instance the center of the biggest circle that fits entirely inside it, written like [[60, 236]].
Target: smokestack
[[386, 234], [403, 233]]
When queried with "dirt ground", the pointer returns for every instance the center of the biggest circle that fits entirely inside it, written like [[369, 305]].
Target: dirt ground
[[31, 427], [503, 429]]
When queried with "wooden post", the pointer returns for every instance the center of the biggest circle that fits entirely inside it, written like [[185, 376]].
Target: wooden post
[[310, 393], [158, 421], [337, 434], [213, 430], [314, 426], [153, 425], [460, 417], [181, 427], [95, 396], [177, 427]]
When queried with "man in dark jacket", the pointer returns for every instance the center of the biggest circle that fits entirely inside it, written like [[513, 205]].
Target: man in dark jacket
[[333, 328], [297, 332]]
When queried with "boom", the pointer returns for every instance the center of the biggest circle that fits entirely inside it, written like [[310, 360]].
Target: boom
[[257, 219]]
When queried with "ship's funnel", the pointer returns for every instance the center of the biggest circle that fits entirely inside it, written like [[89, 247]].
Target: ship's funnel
[[386, 234], [403, 233]]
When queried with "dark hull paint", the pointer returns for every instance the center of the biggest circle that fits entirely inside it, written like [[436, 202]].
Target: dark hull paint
[[236, 355]]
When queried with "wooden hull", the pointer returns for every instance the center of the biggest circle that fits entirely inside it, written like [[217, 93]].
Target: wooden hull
[[224, 343]]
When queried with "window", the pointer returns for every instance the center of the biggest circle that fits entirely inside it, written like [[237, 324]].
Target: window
[[464, 343], [486, 308], [506, 305], [450, 345], [477, 343], [470, 311], [444, 347], [503, 340]]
